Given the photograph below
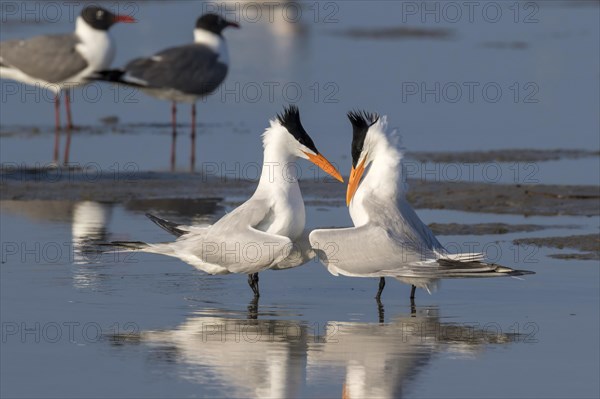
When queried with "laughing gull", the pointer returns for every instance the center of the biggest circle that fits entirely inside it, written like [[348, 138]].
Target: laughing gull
[[181, 74], [58, 62]]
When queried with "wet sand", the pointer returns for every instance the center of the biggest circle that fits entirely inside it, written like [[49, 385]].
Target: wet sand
[[507, 155], [588, 244], [445, 229], [518, 199]]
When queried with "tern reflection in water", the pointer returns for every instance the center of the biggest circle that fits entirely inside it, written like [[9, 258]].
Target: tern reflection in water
[[280, 358], [247, 358], [381, 360]]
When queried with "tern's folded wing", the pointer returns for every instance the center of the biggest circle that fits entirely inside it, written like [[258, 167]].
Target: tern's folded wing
[[235, 243], [245, 250]]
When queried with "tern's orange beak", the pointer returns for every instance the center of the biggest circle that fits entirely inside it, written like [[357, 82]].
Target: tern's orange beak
[[324, 164], [355, 176]]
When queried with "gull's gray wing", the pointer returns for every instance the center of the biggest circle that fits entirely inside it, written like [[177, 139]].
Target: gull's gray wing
[[193, 69], [52, 58]]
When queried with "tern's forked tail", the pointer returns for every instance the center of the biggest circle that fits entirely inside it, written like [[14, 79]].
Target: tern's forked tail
[[461, 269], [129, 245]]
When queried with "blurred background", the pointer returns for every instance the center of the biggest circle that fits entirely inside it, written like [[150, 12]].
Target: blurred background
[[450, 76]]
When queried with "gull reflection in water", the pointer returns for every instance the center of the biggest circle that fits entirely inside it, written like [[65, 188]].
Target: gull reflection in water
[[275, 358], [381, 360]]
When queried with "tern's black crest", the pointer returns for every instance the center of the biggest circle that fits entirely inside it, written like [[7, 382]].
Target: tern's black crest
[[98, 17], [214, 23], [290, 119], [361, 122]]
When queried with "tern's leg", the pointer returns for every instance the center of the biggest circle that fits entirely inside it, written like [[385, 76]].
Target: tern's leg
[[253, 283], [255, 277], [69, 126], [193, 137], [381, 287], [173, 133], [57, 126]]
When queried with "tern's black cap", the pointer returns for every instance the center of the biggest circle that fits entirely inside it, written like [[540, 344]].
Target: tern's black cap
[[361, 122], [290, 119]]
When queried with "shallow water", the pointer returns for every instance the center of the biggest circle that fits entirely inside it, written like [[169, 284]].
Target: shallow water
[[154, 326], [80, 323]]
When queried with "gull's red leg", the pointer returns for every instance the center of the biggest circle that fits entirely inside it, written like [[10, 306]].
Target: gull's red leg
[[68, 108], [56, 126], [69, 125], [193, 137], [173, 134]]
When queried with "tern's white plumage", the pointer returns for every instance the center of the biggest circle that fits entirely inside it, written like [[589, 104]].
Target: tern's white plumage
[[267, 230], [389, 239]]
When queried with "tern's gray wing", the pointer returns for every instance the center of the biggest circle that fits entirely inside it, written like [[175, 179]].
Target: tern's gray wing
[[366, 251], [235, 243], [301, 253], [402, 222], [52, 58], [193, 69], [371, 251]]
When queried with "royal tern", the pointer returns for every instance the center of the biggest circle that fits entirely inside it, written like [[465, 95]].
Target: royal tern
[[59, 62], [181, 74], [389, 239], [265, 232]]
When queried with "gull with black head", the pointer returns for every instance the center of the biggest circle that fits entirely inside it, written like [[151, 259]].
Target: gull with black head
[[184, 73], [265, 232], [389, 239], [59, 62]]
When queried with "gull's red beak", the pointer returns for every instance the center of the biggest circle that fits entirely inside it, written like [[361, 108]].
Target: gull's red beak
[[126, 19], [233, 24]]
